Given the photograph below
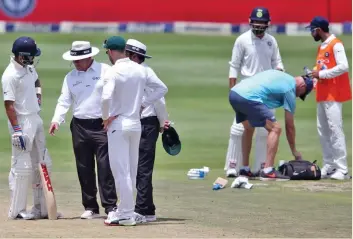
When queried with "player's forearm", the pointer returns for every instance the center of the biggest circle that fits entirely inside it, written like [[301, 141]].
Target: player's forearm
[[232, 82], [333, 72], [105, 108], [161, 111], [11, 113], [290, 133]]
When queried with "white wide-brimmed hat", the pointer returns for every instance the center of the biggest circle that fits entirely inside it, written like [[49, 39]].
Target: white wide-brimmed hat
[[137, 47], [80, 50]]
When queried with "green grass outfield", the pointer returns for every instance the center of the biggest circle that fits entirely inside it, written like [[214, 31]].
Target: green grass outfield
[[195, 69]]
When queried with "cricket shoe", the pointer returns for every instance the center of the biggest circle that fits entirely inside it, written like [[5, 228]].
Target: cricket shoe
[[231, 173], [38, 215], [273, 175], [88, 214], [25, 216], [338, 175], [140, 218], [327, 171], [247, 173], [115, 221], [151, 218]]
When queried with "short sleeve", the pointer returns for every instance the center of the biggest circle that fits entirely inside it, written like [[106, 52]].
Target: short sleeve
[[8, 88], [289, 103]]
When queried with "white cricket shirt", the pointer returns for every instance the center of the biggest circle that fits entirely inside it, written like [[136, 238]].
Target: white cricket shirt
[[340, 57], [123, 93], [82, 90], [252, 55], [18, 85], [159, 107]]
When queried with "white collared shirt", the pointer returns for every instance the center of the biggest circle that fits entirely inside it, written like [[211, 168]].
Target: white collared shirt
[[18, 85], [340, 57], [252, 55], [82, 90], [159, 107], [123, 92]]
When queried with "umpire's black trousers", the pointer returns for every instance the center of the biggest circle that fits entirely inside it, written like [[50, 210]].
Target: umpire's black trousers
[[149, 135], [89, 141]]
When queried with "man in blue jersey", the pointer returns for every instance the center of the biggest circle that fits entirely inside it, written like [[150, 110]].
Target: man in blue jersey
[[253, 99]]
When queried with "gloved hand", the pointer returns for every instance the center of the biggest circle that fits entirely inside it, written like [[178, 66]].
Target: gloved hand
[[241, 182], [18, 139]]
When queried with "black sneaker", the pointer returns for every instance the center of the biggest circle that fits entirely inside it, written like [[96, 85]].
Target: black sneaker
[[274, 175], [246, 173]]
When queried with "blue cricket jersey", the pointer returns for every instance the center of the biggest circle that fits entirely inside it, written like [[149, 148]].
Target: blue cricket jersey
[[273, 88]]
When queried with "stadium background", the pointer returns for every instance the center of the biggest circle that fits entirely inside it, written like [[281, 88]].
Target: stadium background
[[191, 43]]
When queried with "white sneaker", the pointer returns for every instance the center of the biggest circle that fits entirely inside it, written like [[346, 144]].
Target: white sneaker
[[327, 171], [231, 173], [139, 218], [338, 175], [115, 221], [151, 218], [88, 214], [111, 218], [25, 216]]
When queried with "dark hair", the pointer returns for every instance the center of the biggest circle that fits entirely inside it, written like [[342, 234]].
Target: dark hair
[[131, 54], [325, 29]]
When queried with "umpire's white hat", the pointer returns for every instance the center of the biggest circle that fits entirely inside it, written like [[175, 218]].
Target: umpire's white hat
[[80, 50], [137, 47]]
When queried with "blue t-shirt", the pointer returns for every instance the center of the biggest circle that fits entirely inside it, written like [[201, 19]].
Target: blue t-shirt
[[273, 88]]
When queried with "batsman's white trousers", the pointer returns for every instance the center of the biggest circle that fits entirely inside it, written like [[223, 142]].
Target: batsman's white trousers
[[24, 165], [234, 155], [123, 144], [332, 138]]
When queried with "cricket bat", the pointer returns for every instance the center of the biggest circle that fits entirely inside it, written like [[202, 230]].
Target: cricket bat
[[219, 183], [48, 192]]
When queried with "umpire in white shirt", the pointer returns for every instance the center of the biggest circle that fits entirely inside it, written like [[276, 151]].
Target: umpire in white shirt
[[254, 51], [82, 89], [154, 119], [122, 102]]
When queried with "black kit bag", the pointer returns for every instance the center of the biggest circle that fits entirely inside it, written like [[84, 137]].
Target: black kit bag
[[301, 170]]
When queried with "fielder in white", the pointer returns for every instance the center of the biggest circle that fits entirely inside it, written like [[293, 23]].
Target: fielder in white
[[20, 85], [254, 51], [122, 104]]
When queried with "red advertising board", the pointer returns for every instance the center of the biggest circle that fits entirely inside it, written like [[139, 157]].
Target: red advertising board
[[232, 11]]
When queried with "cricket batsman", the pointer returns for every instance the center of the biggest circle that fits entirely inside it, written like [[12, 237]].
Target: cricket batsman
[[254, 51], [253, 99], [332, 89], [20, 85]]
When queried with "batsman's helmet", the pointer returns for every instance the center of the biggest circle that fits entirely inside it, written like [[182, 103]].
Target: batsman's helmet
[[259, 20], [171, 141], [27, 48]]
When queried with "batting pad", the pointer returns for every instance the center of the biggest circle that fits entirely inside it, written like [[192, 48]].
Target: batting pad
[[260, 148], [19, 189]]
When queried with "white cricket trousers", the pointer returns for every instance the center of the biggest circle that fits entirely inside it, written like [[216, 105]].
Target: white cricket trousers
[[123, 144], [24, 166], [332, 138]]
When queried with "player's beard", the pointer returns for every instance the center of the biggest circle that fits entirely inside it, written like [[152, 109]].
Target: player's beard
[[111, 60], [317, 37]]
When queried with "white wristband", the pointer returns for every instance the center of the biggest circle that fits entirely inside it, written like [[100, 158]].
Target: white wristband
[[38, 90]]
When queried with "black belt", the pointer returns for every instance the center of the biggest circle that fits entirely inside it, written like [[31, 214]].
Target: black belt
[[150, 120], [88, 123]]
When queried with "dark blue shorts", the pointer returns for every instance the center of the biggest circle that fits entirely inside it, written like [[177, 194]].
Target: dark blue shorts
[[255, 112]]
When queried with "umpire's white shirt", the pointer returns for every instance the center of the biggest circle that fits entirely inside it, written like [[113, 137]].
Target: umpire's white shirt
[[123, 92], [159, 107], [18, 85], [82, 90], [251, 55]]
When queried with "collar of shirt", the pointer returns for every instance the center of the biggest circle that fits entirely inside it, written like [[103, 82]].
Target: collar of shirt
[[122, 60], [17, 66], [94, 66], [328, 40]]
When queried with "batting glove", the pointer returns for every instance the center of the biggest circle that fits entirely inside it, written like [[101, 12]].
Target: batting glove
[[18, 139]]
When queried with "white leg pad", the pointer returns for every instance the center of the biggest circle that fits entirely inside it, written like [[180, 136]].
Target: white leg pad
[[260, 148], [18, 182], [234, 153]]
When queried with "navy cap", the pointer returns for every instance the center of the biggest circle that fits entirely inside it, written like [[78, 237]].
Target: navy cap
[[171, 141], [25, 46], [309, 86], [260, 14], [319, 22]]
